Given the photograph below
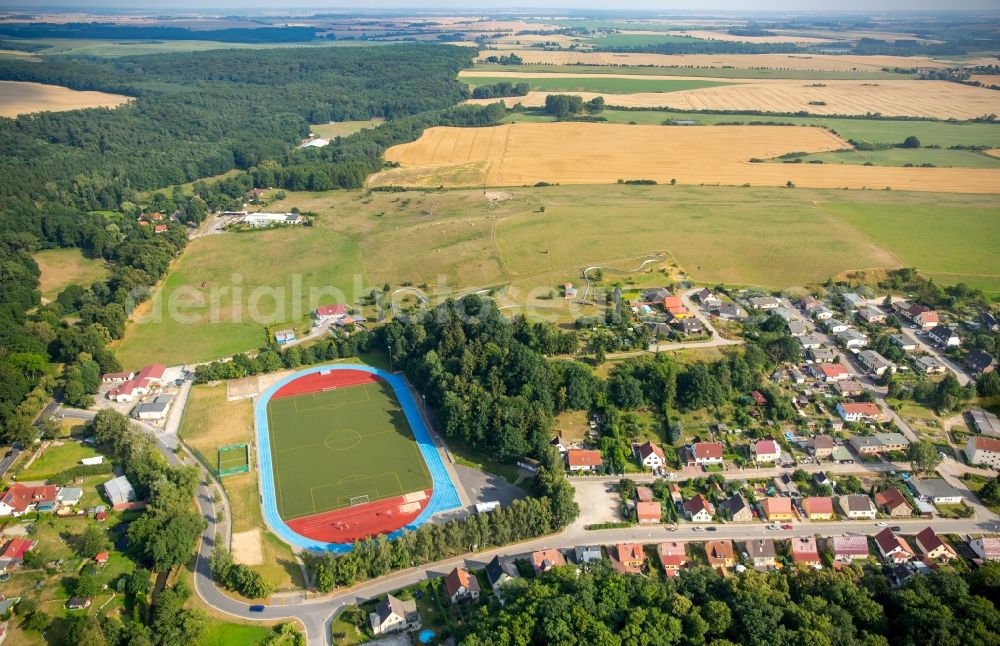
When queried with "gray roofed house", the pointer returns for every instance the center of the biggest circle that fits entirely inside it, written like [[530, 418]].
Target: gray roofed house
[[737, 509], [656, 295], [151, 410], [903, 341], [119, 491], [500, 571], [852, 339], [761, 551], [797, 328], [810, 341], [854, 300], [930, 364], [823, 355], [856, 506], [69, 496], [587, 553], [393, 614], [821, 313], [937, 491], [765, 302], [730, 310]]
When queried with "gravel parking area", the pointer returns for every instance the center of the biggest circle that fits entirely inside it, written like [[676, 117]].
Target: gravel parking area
[[597, 503]]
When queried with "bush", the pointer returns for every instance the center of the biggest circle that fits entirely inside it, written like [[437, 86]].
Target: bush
[[80, 471]]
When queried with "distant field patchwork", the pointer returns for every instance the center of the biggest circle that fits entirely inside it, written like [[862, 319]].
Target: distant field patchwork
[[593, 83]]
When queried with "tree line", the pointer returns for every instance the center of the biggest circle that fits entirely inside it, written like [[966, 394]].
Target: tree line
[[502, 89], [786, 607]]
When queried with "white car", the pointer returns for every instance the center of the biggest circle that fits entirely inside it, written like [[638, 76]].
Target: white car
[[881, 525], [671, 475]]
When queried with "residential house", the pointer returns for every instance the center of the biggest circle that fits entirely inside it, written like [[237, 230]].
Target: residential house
[[804, 550], [708, 299], [765, 303], [848, 388], [979, 362], [820, 479], [854, 301], [876, 363], [983, 450], [892, 442], [672, 557], [852, 339], [894, 549], [933, 547], [856, 506], [810, 342], [920, 315], [461, 586], [587, 553], [120, 492], [830, 372], [557, 442], [818, 507], [583, 460], [760, 552], [893, 502], [102, 558], [649, 455], [628, 558], [986, 548], [777, 508], [847, 549], [904, 342], [500, 571], [736, 509], [151, 410], [985, 422], [766, 451], [808, 302], [821, 313], [147, 379], [675, 495], [705, 453], [394, 615], [797, 328], [930, 365], [656, 295], [871, 316], [945, 337], [937, 491], [691, 326], [732, 311], [698, 509], [643, 494], [69, 496], [13, 553], [329, 313], [822, 355], [859, 412], [78, 603], [545, 560], [823, 446], [20, 499], [833, 326], [720, 553], [648, 513], [785, 486]]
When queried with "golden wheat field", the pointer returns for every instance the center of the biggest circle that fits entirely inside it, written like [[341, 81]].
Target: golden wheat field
[[727, 37], [820, 62], [593, 153], [986, 79], [936, 99], [17, 98]]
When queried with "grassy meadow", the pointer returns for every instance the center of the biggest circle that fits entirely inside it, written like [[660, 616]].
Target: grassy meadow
[[63, 267], [720, 72], [606, 84], [342, 128], [445, 240], [941, 157]]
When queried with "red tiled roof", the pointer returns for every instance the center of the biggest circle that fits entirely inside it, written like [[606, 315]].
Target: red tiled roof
[[583, 458], [102, 557], [644, 494], [672, 302], [19, 497], [832, 369], [457, 579], [17, 547], [888, 541], [890, 498], [850, 545], [630, 552], [672, 554], [928, 540], [646, 449], [818, 505], [553, 557], [331, 310], [986, 444], [804, 549], [697, 504], [777, 505], [861, 408], [766, 447], [706, 450], [150, 373], [648, 511]]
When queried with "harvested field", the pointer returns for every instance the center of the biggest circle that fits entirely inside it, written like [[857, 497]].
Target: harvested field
[[993, 152], [705, 34], [589, 153], [772, 61], [934, 99], [986, 79], [17, 98], [610, 85]]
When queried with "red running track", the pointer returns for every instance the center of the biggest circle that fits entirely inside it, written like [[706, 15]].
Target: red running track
[[358, 522], [320, 381]]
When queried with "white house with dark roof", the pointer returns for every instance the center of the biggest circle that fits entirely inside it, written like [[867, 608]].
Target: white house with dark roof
[[394, 615]]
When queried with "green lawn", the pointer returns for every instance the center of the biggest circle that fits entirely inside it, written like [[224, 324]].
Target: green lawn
[[277, 276], [329, 447], [941, 157], [62, 267], [875, 131], [341, 128], [953, 241], [720, 72], [220, 633], [56, 459], [595, 84]]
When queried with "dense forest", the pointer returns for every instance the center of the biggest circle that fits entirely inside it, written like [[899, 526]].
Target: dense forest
[[112, 31], [790, 607], [70, 179]]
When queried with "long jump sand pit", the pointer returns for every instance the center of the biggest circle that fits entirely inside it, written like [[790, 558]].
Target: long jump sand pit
[[17, 97], [935, 99], [596, 153], [247, 548], [821, 62]]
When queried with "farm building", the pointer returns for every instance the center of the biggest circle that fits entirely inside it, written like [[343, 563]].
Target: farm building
[[983, 450], [148, 378], [119, 491], [985, 422]]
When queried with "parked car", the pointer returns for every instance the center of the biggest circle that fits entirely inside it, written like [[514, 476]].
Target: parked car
[[786, 527], [711, 529], [256, 608], [881, 524], [671, 528], [698, 529]]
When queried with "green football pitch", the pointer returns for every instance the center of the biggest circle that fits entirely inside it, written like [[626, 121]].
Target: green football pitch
[[334, 448]]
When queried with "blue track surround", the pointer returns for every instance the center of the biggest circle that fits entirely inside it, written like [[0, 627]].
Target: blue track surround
[[443, 498]]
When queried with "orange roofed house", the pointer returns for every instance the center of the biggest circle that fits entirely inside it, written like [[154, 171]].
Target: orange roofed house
[[702, 453], [892, 502], [583, 460], [628, 558], [648, 513], [804, 550], [777, 508], [818, 507], [672, 557], [460, 586], [720, 553], [545, 560], [21, 499]]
